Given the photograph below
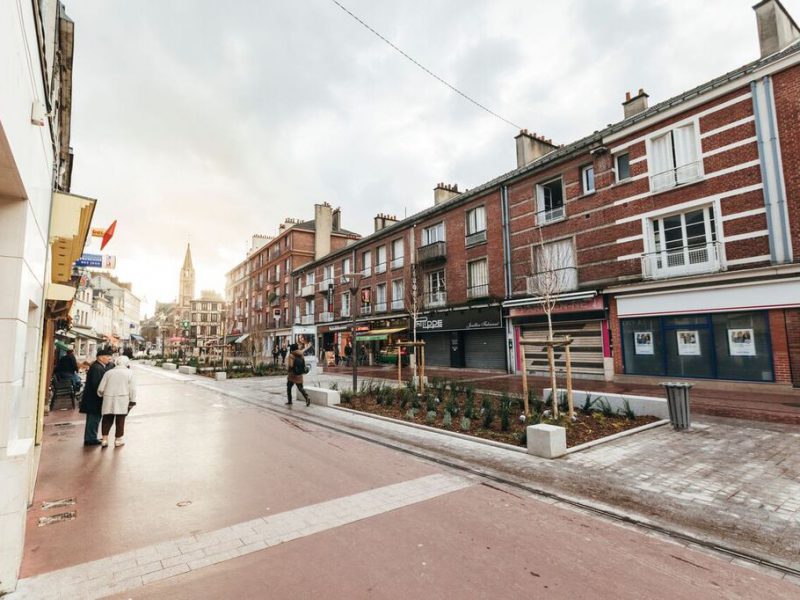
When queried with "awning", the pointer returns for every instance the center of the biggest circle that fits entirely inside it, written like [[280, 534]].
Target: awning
[[377, 335], [61, 345], [230, 339], [137, 338], [241, 338], [70, 218]]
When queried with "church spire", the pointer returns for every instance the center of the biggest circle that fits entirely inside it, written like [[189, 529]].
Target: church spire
[[186, 284], [187, 260]]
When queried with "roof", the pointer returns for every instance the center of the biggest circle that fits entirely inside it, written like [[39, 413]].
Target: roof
[[312, 226], [565, 151]]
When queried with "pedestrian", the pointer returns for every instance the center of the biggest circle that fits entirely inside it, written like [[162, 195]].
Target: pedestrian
[[119, 396], [336, 356], [295, 371], [67, 368], [128, 352], [275, 353], [348, 354], [283, 353], [91, 403]]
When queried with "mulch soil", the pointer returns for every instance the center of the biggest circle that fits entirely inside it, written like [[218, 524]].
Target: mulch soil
[[587, 427]]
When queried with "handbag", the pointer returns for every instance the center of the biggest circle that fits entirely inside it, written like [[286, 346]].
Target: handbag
[[131, 404]]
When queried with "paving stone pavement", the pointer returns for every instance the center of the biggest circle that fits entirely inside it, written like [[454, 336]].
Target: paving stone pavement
[[729, 482], [134, 569]]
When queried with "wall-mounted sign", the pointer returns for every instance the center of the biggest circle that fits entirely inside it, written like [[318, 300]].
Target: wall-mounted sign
[[98, 232], [643, 342], [741, 342], [461, 320], [90, 260]]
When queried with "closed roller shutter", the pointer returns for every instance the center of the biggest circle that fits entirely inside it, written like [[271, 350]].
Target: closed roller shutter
[[586, 348], [485, 349], [437, 349]]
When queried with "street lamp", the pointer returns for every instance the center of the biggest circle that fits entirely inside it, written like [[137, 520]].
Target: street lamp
[[355, 285]]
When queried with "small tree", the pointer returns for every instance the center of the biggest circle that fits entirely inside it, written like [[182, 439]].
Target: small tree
[[415, 304], [552, 273]]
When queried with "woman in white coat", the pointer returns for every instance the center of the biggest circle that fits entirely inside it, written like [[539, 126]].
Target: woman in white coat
[[118, 391]]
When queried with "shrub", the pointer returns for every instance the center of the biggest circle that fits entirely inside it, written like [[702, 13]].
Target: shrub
[[346, 396], [627, 411], [588, 404], [535, 404], [335, 386], [430, 417], [487, 411], [406, 396], [410, 414], [430, 403], [451, 408], [466, 423], [605, 407], [505, 413], [469, 406], [447, 419]]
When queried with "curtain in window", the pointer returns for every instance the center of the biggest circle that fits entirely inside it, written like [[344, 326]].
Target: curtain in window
[[662, 165], [686, 167]]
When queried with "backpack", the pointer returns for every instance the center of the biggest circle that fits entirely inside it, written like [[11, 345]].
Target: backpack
[[299, 366]]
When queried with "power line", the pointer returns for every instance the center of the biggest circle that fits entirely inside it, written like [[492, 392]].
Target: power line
[[427, 70]]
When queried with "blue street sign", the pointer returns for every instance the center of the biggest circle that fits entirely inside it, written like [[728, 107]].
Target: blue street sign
[[90, 260]]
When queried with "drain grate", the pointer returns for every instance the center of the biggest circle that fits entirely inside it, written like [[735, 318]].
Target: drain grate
[[51, 504], [67, 516]]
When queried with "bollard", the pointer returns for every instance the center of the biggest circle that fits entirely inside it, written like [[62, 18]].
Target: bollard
[[678, 404]]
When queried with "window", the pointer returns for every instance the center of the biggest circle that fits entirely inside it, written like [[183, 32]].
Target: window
[[380, 298], [555, 269], [672, 158], [213, 330], [297, 313], [366, 263], [436, 291], [380, 263], [277, 272], [550, 201], [398, 293], [476, 226], [366, 301], [622, 166], [587, 179], [328, 272], [346, 266], [310, 278], [287, 264], [682, 244], [477, 279], [298, 285], [433, 234], [309, 307], [346, 304], [398, 250]]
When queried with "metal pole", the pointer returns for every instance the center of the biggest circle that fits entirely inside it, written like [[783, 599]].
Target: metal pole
[[570, 406], [399, 364], [353, 304], [524, 379]]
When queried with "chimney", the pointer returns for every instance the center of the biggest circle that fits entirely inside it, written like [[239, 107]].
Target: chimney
[[443, 192], [776, 28], [382, 221], [531, 146], [337, 219], [323, 224], [637, 104]]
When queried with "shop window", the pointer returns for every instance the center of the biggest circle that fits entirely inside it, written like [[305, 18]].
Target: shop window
[[742, 346]]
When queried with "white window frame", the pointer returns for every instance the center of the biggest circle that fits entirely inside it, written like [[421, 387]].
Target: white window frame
[[380, 261], [617, 156], [566, 274], [398, 297], [554, 214], [345, 311], [380, 298], [437, 296], [310, 277], [366, 263], [346, 266], [473, 290], [660, 179], [428, 236], [588, 187], [473, 224], [398, 258]]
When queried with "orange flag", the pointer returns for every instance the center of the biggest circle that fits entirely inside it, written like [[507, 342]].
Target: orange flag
[[108, 234]]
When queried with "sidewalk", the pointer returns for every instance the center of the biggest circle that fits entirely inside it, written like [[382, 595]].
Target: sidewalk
[[732, 482], [766, 404]]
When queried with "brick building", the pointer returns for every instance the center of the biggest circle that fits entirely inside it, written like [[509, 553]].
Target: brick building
[[667, 242], [259, 289]]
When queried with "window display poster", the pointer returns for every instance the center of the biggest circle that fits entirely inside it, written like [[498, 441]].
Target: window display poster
[[643, 342], [741, 342], [688, 342]]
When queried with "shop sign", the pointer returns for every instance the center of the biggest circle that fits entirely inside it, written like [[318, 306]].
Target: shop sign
[[304, 330], [463, 320], [569, 306]]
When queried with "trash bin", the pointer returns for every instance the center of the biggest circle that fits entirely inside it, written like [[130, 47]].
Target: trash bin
[[678, 404]]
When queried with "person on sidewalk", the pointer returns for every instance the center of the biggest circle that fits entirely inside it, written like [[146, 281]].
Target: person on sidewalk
[[119, 394], [283, 353], [91, 403], [67, 368], [295, 371], [275, 353]]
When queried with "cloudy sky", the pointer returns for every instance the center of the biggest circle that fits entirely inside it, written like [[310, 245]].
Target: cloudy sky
[[209, 121]]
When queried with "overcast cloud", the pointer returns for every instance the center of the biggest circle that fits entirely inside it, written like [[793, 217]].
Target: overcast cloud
[[210, 121]]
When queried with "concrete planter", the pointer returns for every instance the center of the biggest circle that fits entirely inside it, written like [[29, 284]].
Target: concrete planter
[[220, 375], [187, 370], [641, 405], [322, 396], [546, 441], [169, 366]]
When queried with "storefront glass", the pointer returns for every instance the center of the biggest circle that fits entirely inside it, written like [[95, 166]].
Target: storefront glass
[[716, 346]]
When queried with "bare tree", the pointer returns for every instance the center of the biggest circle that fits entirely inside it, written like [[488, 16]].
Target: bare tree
[[552, 273], [415, 304]]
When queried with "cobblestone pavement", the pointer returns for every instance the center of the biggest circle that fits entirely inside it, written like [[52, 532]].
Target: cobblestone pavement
[[729, 482]]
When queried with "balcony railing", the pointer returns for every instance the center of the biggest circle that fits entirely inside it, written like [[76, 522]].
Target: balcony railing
[[366, 272], [380, 307], [307, 290], [674, 177], [475, 238], [432, 252], [398, 304], [307, 320], [366, 310], [556, 281], [324, 285], [478, 291], [397, 263], [380, 268], [678, 262], [434, 299], [551, 215], [345, 313], [297, 320], [325, 317]]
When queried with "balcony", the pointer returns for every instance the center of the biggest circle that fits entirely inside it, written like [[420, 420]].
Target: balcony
[[345, 313], [435, 299], [380, 307], [397, 263], [366, 272], [437, 251], [475, 238], [297, 320], [551, 215], [307, 320], [324, 285], [398, 305], [478, 291], [325, 317], [366, 310], [380, 268], [307, 290], [682, 261], [674, 177]]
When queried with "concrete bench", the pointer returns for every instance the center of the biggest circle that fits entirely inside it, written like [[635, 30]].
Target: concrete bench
[[547, 441], [220, 375], [322, 396], [187, 370], [169, 366]]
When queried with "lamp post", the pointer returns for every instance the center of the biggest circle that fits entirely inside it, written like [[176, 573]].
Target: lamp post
[[355, 286]]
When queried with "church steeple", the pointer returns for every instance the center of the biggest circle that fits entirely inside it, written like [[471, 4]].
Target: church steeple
[[186, 286]]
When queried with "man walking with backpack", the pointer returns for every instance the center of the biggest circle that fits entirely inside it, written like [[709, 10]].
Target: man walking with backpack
[[296, 368]]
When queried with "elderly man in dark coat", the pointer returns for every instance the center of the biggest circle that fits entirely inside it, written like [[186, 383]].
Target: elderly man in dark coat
[[91, 403]]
